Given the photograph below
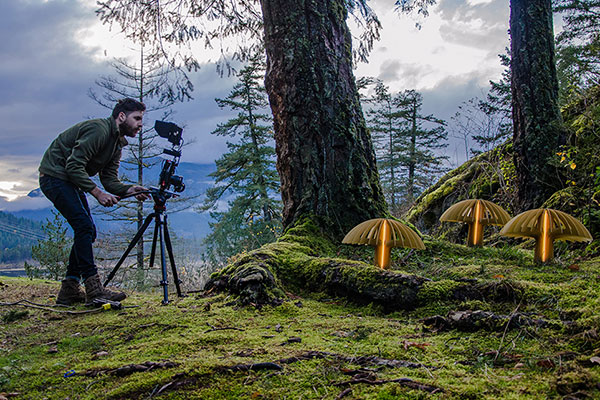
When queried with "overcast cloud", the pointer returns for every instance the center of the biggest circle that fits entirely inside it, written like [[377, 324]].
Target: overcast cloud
[[51, 56]]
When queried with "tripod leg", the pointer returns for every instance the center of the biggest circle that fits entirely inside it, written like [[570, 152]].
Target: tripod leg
[[154, 238], [163, 262], [172, 258], [132, 244]]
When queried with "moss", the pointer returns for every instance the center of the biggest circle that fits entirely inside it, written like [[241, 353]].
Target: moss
[[437, 290]]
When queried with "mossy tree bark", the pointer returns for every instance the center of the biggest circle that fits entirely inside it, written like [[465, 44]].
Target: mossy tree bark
[[537, 121], [325, 156]]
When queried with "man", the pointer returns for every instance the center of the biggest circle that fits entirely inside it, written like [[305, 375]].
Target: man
[[86, 149]]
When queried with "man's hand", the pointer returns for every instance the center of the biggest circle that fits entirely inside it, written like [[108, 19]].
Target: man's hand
[[137, 189], [104, 198]]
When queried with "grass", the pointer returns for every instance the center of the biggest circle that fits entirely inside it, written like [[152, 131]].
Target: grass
[[202, 336]]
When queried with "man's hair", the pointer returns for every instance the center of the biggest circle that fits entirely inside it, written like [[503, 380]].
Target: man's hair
[[127, 105]]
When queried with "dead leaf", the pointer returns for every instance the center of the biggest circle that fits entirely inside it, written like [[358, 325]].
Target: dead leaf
[[421, 346], [100, 354], [595, 360], [546, 363], [574, 267], [498, 276]]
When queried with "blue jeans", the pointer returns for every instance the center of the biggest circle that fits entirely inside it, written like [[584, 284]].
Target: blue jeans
[[71, 202]]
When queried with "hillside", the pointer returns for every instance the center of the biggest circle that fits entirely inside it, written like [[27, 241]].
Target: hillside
[[17, 235], [534, 336]]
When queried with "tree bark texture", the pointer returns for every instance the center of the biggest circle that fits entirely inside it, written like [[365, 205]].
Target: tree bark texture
[[325, 157], [534, 87]]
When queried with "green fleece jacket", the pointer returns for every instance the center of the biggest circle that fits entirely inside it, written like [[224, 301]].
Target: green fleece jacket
[[86, 149]]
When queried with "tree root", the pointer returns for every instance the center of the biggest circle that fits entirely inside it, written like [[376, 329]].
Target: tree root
[[470, 321]]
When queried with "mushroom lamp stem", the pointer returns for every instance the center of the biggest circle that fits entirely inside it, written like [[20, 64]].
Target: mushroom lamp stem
[[383, 250], [475, 236], [544, 246]]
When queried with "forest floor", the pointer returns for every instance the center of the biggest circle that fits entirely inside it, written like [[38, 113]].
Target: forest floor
[[313, 347]]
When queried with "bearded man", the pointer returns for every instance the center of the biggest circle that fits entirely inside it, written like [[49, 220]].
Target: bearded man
[[84, 150]]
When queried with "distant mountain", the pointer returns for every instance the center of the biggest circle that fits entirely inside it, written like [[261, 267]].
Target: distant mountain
[[35, 193]]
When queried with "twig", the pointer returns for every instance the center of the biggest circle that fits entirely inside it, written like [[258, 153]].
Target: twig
[[254, 367], [506, 329], [225, 328], [343, 393]]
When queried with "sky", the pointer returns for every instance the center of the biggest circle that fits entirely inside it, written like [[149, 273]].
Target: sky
[[53, 50]]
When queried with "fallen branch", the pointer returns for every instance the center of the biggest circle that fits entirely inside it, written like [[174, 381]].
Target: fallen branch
[[360, 360], [253, 367], [402, 381], [470, 321], [225, 328], [131, 368]]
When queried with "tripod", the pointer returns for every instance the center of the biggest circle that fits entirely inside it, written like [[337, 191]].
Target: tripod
[[161, 234]]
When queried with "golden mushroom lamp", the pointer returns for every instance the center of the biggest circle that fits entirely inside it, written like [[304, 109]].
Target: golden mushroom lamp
[[546, 225], [476, 213], [383, 233]]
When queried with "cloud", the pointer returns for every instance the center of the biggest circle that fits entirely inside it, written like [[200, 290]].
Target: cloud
[[44, 72], [49, 63], [478, 24], [406, 74]]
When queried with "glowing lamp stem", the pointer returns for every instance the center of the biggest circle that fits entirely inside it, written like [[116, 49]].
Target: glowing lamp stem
[[383, 250], [475, 236], [544, 246]]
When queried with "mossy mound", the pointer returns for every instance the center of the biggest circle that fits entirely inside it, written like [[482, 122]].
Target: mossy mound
[[488, 176], [302, 261]]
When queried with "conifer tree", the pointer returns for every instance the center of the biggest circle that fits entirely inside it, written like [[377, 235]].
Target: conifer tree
[[578, 46], [422, 139], [385, 123], [155, 82], [246, 176], [52, 253], [407, 143]]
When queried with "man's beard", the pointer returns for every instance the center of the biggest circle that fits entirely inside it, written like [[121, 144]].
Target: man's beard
[[127, 130]]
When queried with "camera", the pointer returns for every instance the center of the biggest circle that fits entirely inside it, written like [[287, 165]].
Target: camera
[[169, 131], [173, 134]]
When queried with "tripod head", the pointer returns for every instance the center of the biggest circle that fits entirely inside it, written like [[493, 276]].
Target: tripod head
[[168, 178]]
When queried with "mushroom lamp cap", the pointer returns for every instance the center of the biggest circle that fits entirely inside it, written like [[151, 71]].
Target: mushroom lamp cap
[[464, 211], [562, 226], [369, 232]]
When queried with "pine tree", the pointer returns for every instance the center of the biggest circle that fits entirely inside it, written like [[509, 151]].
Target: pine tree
[[578, 46], [155, 82], [422, 138], [246, 174], [385, 123], [52, 253]]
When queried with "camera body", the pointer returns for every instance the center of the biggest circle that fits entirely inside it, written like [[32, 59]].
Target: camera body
[[168, 178]]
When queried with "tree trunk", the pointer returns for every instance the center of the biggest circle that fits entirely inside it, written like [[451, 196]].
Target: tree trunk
[[325, 157], [536, 115]]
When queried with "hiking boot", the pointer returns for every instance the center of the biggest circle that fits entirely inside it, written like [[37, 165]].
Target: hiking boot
[[95, 290], [70, 293]]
